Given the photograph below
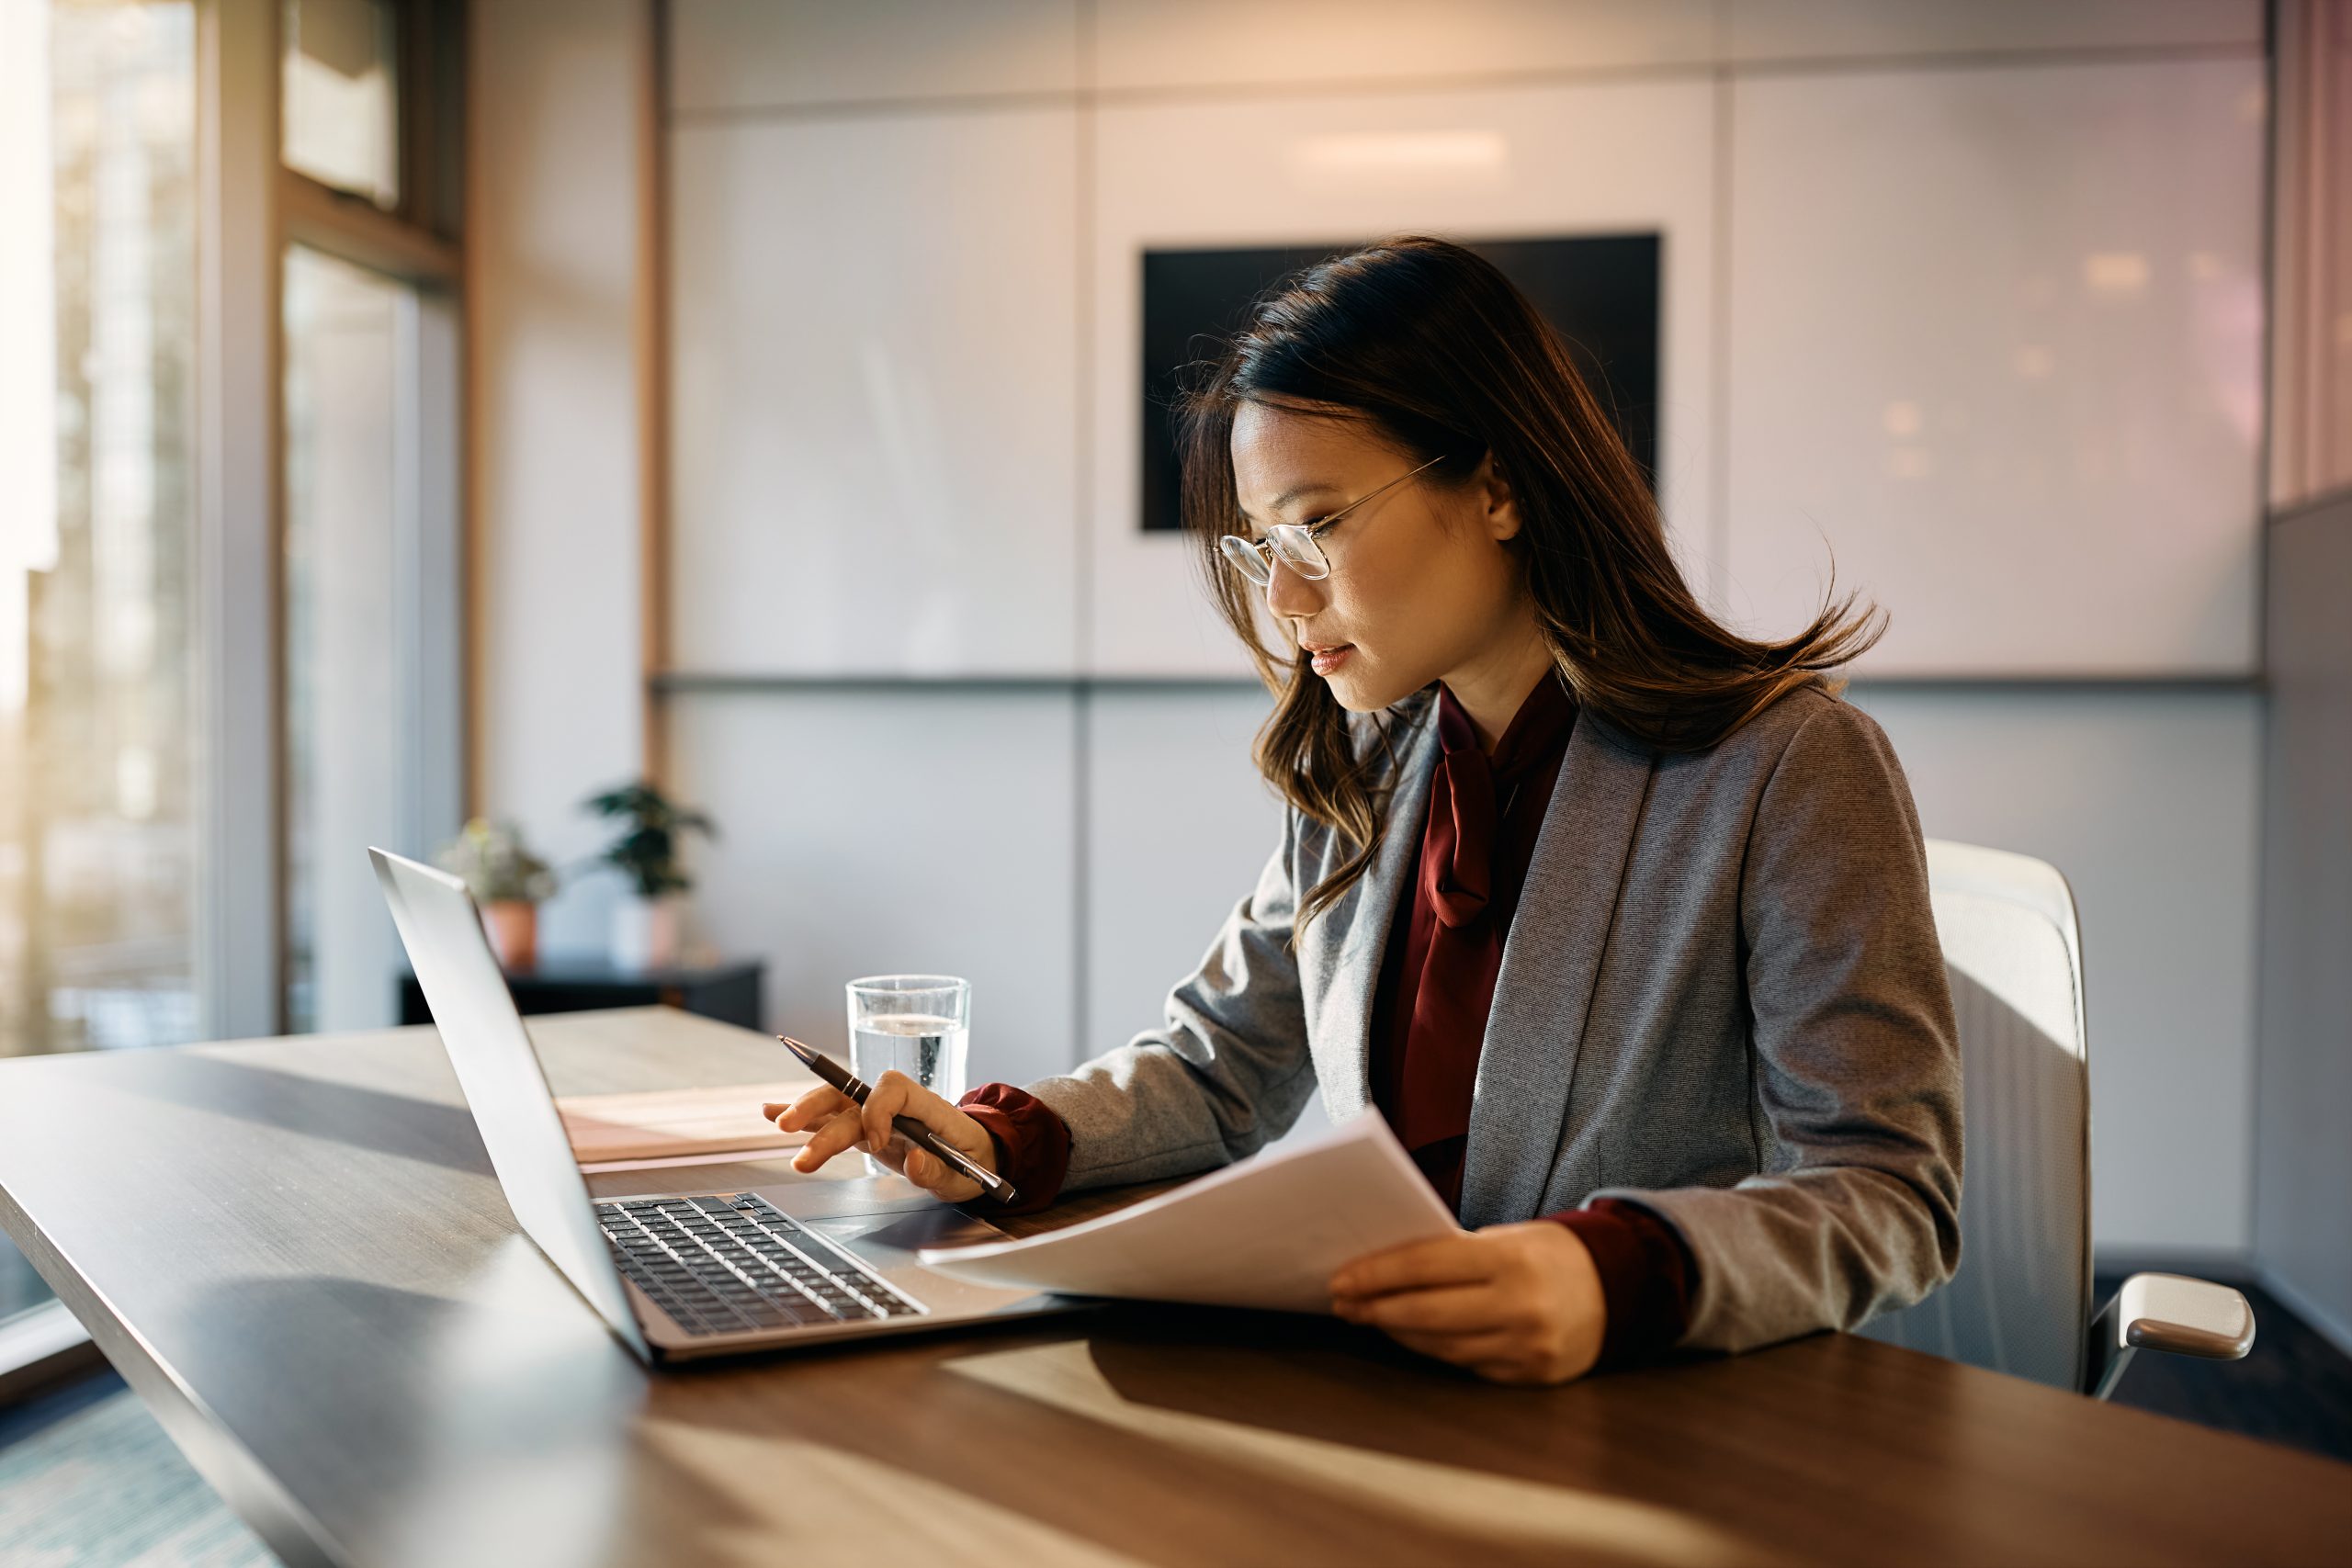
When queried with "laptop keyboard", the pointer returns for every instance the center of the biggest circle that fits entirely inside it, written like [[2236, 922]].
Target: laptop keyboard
[[736, 1265]]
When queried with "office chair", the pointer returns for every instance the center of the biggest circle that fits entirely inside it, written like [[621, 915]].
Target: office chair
[[2020, 1302]]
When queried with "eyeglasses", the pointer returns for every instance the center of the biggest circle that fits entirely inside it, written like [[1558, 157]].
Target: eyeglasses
[[1295, 542]]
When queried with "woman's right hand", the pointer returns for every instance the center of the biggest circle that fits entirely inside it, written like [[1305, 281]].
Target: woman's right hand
[[836, 1124]]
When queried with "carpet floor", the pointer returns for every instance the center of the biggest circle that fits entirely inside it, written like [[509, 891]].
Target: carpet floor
[[89, 1480]]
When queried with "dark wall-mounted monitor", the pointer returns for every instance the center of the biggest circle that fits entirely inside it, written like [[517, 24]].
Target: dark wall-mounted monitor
[[1600, 291]]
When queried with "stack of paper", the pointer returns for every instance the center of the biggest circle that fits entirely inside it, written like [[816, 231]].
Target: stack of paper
[[1269, 1231], [673, 1124]]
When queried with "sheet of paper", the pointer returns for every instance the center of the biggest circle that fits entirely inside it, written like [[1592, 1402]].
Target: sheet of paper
[[679, 1162], [1269, 1231], [665, 1123]]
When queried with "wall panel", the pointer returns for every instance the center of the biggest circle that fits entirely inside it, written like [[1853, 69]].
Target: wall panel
[[1495, 163], [1180, 824], [1761, 31], [2148, 801], [2303, 1227], [1192, 43], [550, 262], [873, 402], [891, 833], [739, 56], [1995, 343]]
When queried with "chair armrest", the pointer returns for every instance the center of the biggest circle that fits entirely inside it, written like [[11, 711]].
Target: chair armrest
[[2171, 1312]]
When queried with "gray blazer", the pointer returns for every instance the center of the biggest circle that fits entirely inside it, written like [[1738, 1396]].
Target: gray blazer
[[1721, 998]]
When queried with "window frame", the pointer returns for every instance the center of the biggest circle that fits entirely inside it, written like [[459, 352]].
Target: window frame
[[250, 209]]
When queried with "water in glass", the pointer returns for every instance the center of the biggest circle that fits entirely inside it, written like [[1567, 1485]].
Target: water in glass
[[927, 1048]]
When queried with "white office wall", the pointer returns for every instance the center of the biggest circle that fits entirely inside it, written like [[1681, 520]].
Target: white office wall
[[1825, 31], [2303, 1162], [874, 409], [1179, 826], [2149, 801], [1988, 289], [727, 56], [1996, 341], [925, 832], [550, 249], [1232, 43], [1170, 797]]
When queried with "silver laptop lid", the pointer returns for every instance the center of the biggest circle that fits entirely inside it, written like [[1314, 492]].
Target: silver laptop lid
[[502, 1080]]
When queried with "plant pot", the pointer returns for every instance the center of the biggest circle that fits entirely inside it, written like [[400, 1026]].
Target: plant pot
[[513, 925], [646, 932]]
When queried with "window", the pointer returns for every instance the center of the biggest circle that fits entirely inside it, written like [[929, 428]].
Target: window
[[139, 512], [340, 114], [98, 740], [370, 629], [368, 720]]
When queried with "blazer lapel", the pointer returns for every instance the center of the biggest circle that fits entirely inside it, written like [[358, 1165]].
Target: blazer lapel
[[1341, 1036], [1551, 961]]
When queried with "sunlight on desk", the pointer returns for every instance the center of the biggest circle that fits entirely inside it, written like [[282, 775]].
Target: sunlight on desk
[[1494, 1510], [765, 1499]]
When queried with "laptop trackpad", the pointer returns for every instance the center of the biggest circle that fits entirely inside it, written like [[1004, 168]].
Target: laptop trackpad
[[869, 1195], [938, 1225]]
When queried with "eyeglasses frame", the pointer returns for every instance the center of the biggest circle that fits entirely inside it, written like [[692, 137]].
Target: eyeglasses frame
[[1262, 551]]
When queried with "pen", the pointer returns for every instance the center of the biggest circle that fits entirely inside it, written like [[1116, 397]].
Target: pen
[[914, 1131]]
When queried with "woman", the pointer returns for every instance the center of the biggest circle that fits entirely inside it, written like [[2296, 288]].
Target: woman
[[1619, 917]]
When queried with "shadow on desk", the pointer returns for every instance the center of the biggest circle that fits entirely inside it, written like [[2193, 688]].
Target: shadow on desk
[[213, 1078]]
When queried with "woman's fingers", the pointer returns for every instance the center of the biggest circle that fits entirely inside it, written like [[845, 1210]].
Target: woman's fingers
[[894, 1094], [800, 1114], [1537, 1316], [1444, 1309], [888, 1100], [836, 1124], [840, 1132], [931, 1173], [1416, 1266], [1476, 1351]]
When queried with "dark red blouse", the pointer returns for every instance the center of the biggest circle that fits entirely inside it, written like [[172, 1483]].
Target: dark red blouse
[[1429, 1022]]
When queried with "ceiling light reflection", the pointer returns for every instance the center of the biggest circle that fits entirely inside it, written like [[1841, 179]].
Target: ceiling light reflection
[[1387, 157], [2117, 274]]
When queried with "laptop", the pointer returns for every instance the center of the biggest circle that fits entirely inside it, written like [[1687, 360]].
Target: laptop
[[810, 1262]]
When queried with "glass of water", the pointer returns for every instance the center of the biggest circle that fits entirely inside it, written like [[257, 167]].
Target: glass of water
[[919, 1025]]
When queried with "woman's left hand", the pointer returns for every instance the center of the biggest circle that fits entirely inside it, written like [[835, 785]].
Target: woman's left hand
[[1515, 1303]]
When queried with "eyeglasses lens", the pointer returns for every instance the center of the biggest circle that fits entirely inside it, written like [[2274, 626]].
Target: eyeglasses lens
[[1246, 559], [1300, 552]]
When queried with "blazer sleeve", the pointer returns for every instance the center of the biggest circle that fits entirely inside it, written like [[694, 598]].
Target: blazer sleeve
[[1230, 1070], [1856, 1060]]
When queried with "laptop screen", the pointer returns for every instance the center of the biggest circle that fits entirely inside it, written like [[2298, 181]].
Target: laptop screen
[[503, 1081]]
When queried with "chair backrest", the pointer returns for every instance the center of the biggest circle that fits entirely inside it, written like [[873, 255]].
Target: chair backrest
[[2020, 1302]]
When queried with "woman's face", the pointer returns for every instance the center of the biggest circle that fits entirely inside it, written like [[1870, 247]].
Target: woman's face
[[1421, 587]]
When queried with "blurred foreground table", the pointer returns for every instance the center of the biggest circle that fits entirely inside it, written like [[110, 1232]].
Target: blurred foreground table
[[295, 1251]]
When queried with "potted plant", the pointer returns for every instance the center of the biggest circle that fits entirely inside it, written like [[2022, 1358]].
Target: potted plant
[[507, 881], [646, 922]]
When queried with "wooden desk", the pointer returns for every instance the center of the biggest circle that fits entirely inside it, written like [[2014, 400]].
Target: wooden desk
[[295, 1251]]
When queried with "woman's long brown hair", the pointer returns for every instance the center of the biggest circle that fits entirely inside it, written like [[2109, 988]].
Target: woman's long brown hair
[[1430, 346]]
